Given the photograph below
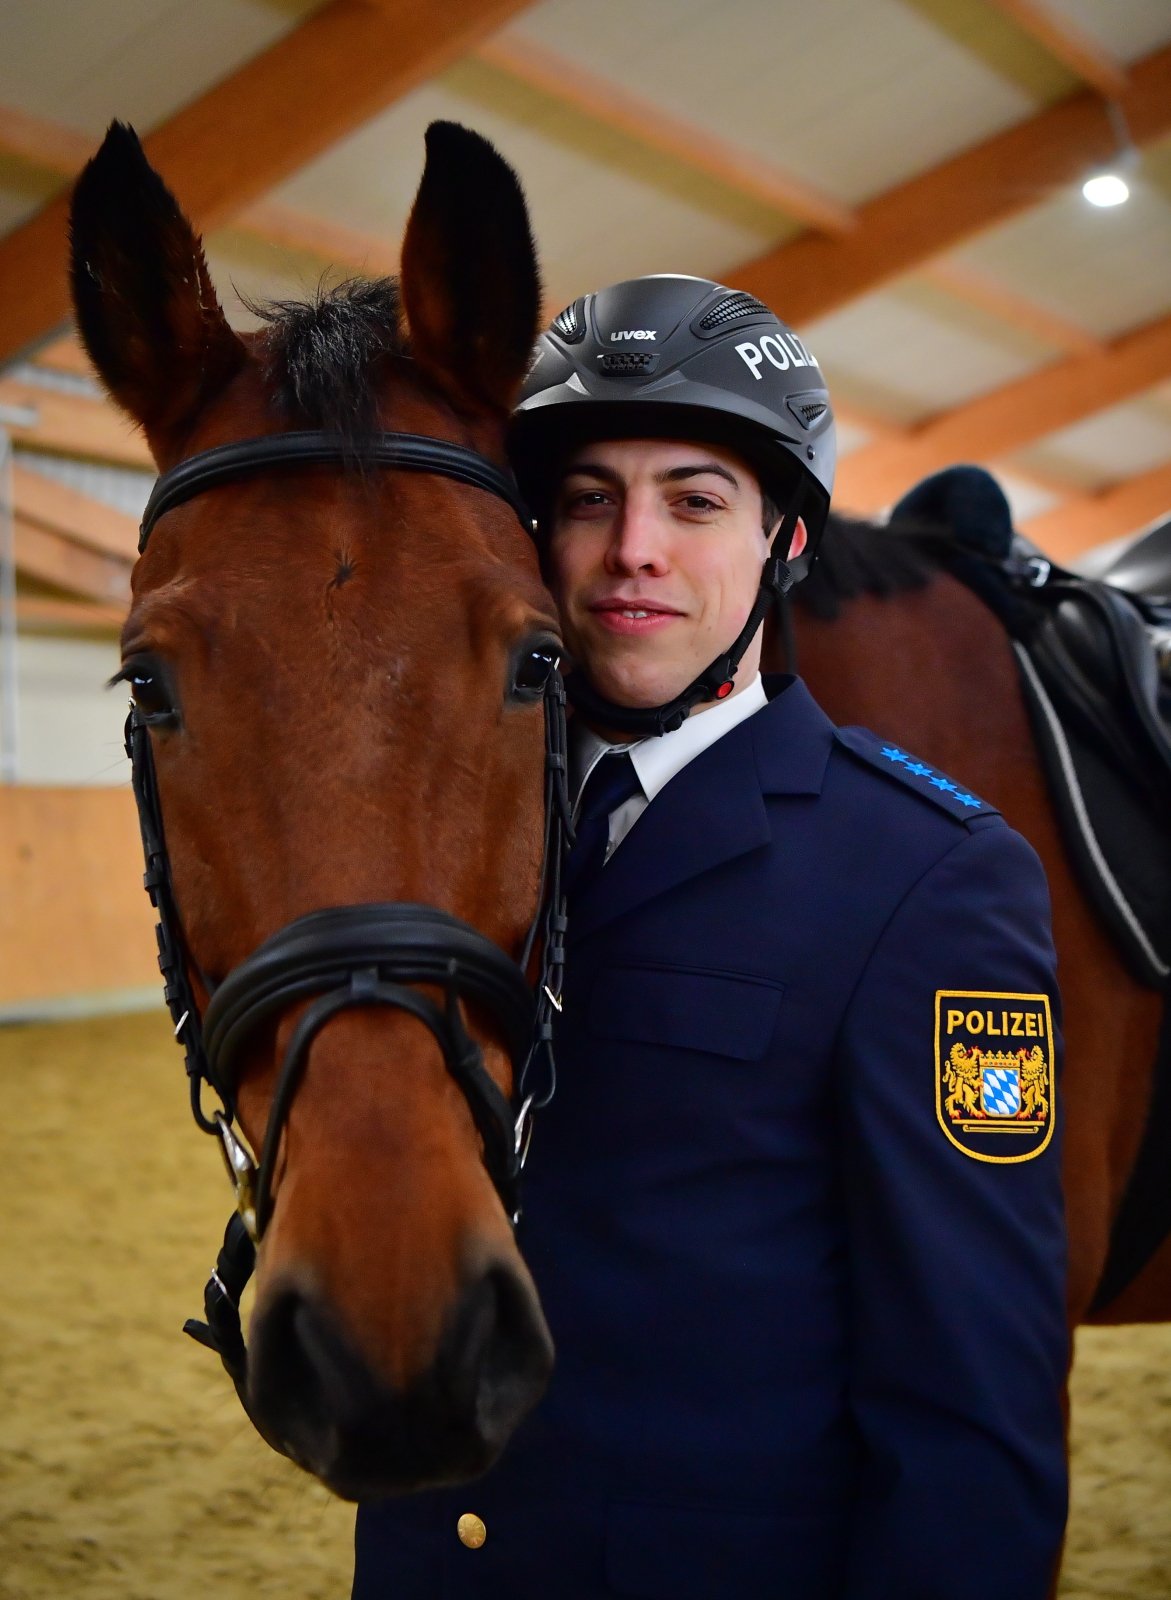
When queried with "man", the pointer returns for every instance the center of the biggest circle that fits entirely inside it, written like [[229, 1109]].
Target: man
[[795, 1211]]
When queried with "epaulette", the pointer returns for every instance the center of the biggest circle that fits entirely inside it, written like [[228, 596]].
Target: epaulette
[[926, 781]]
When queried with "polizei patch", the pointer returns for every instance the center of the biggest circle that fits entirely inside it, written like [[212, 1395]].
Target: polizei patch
[[994, 1073]]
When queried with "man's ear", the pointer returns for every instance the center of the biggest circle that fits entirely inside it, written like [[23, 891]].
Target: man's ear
[[798, 542]]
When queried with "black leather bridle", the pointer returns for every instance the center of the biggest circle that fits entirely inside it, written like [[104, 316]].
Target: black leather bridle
[[360, 955]]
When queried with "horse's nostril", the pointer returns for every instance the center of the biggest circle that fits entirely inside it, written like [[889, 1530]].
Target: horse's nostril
[[306, 1385], [497, 1355]]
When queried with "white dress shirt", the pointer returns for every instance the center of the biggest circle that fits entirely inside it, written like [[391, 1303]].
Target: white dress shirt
[[657, 759]]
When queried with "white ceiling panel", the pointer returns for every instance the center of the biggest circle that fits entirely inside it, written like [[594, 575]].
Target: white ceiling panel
[[1106, 270], [594, 223], [1113, 444], [851, 99], [1159, 400], [84, 62], [893, 353], [1128, 29]]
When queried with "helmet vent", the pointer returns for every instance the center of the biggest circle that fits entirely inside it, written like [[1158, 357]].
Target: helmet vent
[[808, 408], [620, 363], [729, 309], [570, 323]]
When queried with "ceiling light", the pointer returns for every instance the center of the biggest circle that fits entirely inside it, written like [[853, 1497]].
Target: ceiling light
[[1106, 189], [1108, 186]]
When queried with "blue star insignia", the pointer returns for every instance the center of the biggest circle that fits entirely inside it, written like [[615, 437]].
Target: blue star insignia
[[943, 783], [918, 769], [893, 753], [968, 800]]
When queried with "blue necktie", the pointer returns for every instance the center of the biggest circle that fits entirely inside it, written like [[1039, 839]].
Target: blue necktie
[[612, 782]]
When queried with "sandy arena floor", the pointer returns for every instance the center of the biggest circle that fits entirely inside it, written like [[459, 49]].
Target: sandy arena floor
[[127, 1471]]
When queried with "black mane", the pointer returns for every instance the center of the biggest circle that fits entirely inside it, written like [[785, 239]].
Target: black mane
[[859, 557], [323, 353]]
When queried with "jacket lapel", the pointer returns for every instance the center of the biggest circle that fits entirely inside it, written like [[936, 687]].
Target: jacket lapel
[[713, 810]]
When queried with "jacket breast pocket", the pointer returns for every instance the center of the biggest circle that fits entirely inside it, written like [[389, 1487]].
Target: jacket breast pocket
[[683, 1008]]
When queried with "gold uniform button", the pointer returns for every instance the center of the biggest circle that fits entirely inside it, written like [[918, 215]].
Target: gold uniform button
[[471, 1530]]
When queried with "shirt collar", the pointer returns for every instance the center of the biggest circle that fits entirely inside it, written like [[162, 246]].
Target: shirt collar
[[656, 760]]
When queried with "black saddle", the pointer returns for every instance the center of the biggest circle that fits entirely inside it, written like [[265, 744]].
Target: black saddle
[[1091, 655], [1142, 569]]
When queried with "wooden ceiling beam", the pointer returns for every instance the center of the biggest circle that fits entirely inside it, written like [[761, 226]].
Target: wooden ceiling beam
[[649, 125], [1067, 43], [60, 150], [1080, 523], [36, 614], [940, 209], [64, 354], [998, 424], [333, 244], [79, 517], [1015, 310], [70, 424], [745, 172], [53, 559], [52, 147], [47, 146], [222, 151]]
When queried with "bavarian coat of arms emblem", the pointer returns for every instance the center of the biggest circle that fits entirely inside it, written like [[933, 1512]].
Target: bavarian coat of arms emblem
[[994, 1073]]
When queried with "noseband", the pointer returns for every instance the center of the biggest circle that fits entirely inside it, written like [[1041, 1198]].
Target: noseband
[[346, 957]]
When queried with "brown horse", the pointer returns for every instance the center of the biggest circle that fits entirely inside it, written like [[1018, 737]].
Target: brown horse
[[328, 662], [886, 637]]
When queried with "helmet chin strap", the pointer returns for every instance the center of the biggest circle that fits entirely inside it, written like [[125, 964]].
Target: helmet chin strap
[[716, 682]]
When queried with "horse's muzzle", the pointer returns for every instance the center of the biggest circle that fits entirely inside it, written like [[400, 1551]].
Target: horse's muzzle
[[316, 1399]]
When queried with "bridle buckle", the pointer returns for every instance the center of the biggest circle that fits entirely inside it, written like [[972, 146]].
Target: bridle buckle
[[242, 1172]]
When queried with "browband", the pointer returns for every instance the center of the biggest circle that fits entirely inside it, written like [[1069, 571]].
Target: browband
[[313, 448]]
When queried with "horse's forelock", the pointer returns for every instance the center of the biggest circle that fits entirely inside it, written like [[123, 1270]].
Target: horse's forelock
[[321, 354]]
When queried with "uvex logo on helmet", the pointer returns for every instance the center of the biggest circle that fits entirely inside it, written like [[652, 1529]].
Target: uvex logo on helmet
[[628, 334]]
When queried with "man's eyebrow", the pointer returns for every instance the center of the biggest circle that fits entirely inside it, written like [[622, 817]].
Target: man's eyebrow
[[698, 470], [595, 469]]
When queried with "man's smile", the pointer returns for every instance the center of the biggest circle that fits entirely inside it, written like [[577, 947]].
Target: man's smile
[[631, 617]]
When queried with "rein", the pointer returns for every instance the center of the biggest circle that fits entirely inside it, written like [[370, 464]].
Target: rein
[[360, 955]]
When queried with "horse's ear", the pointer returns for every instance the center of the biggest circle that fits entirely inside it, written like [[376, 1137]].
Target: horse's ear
[[471, 291], [142, 294]]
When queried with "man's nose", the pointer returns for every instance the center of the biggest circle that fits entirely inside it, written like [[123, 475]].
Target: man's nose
[[638, 542]]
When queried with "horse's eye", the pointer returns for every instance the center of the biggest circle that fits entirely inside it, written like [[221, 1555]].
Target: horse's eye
[[533, 667], [153, 699]]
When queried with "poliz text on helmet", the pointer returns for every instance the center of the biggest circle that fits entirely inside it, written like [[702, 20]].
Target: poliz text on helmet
[[636, 333], [782, 350]]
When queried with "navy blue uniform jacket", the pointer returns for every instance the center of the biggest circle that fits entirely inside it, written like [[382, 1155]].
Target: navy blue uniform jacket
[[810, 1342]]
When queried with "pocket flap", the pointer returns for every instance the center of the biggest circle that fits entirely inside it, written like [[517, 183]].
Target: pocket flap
[[685, 1008]]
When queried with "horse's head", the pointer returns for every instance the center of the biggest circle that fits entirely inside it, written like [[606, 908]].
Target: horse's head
[[332, 662]]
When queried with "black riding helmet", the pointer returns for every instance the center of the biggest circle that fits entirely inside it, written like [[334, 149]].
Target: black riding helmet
[[679, 357]]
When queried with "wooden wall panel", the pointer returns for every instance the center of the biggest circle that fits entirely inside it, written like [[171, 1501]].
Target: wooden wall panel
[[74, 918]]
